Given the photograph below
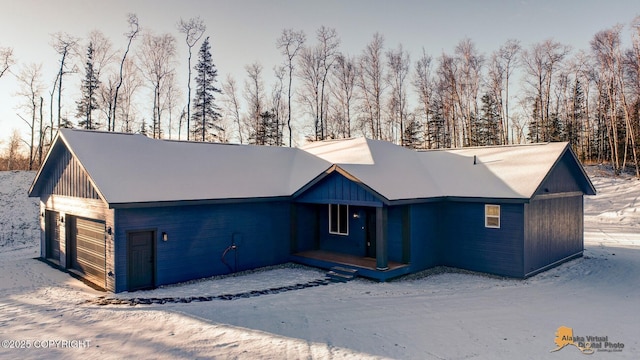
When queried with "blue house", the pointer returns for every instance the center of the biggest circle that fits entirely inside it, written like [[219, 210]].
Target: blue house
[[127, 212]]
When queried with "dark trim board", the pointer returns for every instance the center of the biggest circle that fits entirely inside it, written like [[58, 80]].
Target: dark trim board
[[554, 264]]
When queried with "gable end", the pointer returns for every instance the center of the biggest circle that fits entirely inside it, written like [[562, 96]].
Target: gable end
[[63, 175]]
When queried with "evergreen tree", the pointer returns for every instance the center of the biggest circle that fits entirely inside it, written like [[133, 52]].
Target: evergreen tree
[[267, 131], [574, 125], [88, 102], [412, 132], [488, 132], [205, 112]]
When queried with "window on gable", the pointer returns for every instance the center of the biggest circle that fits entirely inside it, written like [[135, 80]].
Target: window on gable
[[492, 216], [338, 219]]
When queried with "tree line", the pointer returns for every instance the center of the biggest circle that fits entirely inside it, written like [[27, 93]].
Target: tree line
[[542, 92]]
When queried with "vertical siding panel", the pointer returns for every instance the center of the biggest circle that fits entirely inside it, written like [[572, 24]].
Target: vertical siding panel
[[554, 231]]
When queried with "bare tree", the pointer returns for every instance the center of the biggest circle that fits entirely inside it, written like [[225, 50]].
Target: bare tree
[[193, 29], [131, 82], [470, 66], [157, 58], [541, 62], [30, 90], [65, 45], [310, 73], [345, 74], [232, 103], [371, 71], [424, 87], [328, 49], [290, 43], [13, 150], [6, 59], [254, 94], [103, 57], [398, 65], [134, 29], [172, 96], [508, 55]]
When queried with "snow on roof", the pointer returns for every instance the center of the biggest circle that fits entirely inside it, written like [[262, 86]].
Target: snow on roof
[[514, 171], [129, 168], [510, 172], [392, 171]]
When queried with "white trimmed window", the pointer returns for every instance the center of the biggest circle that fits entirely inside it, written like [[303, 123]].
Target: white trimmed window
[[492, 216], [338, 219]]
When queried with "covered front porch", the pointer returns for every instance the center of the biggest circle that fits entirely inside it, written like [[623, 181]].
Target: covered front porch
[[366, 266]]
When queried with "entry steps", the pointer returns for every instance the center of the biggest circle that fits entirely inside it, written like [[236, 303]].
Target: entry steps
[[341, 274]]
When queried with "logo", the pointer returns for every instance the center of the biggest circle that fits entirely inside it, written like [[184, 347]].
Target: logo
[[585, 344]]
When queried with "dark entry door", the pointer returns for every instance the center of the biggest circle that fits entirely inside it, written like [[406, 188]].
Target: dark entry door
[[371, 233], [141, 260], [52, 235]]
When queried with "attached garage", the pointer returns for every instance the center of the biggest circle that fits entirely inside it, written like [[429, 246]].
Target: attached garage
[[86, 249]]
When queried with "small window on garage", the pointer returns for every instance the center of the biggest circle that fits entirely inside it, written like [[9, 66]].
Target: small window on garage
[[338, 219], [492, 216]]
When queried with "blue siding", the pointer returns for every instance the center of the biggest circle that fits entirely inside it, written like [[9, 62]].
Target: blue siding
[[470, 245], [395, 233], [564, 177], [352, 244], [198, 236], [306, 227], [554, 231], [426, 236], [64, 176], [337, 189]]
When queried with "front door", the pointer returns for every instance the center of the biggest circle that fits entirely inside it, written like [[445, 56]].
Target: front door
[[141, 260], [370, 232]]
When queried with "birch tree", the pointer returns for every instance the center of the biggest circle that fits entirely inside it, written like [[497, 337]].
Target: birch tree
[[424, 86], [370, 82], [290, 43], [398, 65], [193, 29], [65, 45], [157, 58], [30, 89], [254, 95], [345, 73], [134, 29], [232, 104]]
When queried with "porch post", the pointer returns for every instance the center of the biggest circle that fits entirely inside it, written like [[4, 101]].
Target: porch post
[[382, 256]]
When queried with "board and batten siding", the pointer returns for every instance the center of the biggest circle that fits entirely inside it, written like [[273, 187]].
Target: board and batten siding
[[66, 177], [468, 244], [198, 235], [554, 231], [337, 189]]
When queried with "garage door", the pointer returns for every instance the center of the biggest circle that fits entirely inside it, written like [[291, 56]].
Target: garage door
[[87, 249]]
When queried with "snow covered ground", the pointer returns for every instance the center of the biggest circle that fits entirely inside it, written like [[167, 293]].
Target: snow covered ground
[[450, 315]]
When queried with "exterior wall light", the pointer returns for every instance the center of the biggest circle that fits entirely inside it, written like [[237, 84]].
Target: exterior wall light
[[165, 237]]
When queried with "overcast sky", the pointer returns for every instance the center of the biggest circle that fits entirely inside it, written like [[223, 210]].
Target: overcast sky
[[243, 32]]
